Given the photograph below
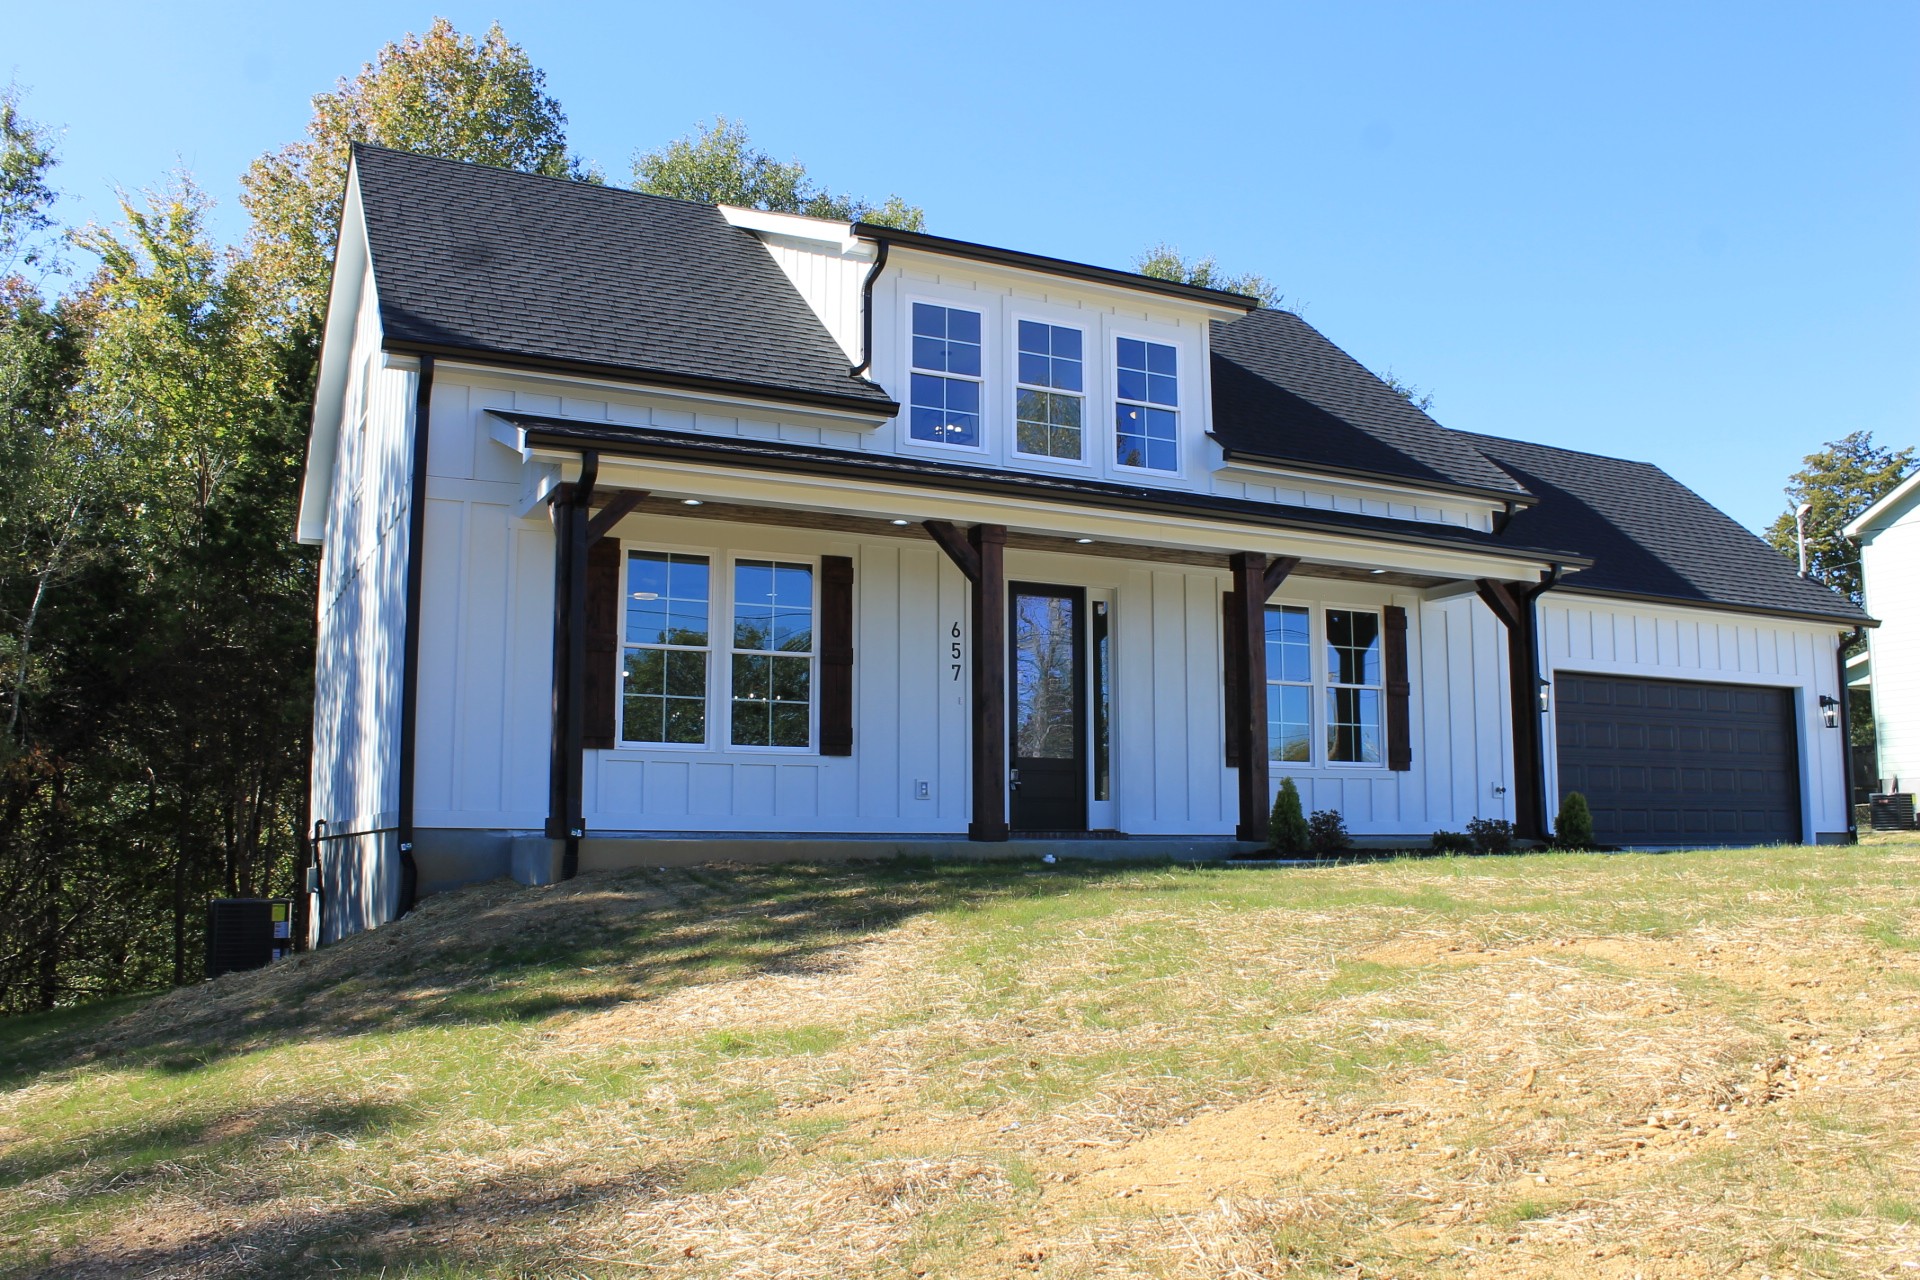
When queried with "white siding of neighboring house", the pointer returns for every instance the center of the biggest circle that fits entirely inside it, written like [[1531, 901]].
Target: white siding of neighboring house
[[361, 628], [1625, 638], [1890, 563], [486, 653]]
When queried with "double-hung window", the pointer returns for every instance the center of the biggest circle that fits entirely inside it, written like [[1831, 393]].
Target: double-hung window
[[1355, 687], [664, 672], [1290, 683], [1049, 405], [772, 654], [944, 399], [1147, 408]]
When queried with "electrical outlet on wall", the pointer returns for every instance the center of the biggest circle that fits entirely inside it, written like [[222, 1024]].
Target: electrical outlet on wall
[[1499, 789], [922, 789]]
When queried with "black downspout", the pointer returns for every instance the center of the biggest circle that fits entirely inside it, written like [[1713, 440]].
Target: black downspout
[[319, 895], [866, 311], [1846, 730], [410, 651], [576, 534]]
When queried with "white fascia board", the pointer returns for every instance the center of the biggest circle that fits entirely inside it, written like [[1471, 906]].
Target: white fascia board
[[781, 410], [1887, 509], [1384, 490], [1680, 609], [882, 500], [796, 225], [350, 276], [1121, 298]]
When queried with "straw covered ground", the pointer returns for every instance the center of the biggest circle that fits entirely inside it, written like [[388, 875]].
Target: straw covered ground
[[1695, 1064]]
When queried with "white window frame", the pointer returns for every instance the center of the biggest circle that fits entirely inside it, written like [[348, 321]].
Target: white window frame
[[1090, 402], [1321, 684], [1178, 410], [725, 740], [716, 594], [1328, 683], [907, 438]]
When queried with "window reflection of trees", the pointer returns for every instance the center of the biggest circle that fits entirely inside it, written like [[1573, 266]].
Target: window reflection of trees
[[1045, 727]]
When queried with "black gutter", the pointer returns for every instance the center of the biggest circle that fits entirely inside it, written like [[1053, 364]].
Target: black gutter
[[637, 442], [1546, 584], [1846, 729], [862, 406], [1053, 266], [410, 651], [866, 310], [1513, 498]]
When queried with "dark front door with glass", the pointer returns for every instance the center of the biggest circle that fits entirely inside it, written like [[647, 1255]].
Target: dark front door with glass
[[1048, 751]]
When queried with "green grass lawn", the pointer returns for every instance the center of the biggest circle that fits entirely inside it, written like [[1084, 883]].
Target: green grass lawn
[[1544, 1065]]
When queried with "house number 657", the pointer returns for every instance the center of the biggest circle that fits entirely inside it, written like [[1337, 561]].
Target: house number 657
[[953, 649]]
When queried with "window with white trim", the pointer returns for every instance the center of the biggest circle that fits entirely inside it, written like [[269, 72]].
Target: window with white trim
[[1356, 691], [1147, 408], [944, 397], [772, 658], [664, 667], [1290, 683], [1049, 407]]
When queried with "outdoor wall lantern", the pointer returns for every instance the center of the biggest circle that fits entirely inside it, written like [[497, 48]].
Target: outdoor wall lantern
[[1546, 696], [1830, 710]]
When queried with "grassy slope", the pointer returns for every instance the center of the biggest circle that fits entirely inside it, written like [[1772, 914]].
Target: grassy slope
[[1548, 1065]]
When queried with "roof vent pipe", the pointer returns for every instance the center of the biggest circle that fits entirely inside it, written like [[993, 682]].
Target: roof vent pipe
[[1800, 533]]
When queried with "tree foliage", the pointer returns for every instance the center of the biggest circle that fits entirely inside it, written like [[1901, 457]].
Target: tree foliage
[[1164, 261], [1838, 481], [720, 165], [443, 94], [26, 201]]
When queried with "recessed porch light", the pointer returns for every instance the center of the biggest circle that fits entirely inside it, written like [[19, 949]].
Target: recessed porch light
[[1084, 541], [901, 523], [1376, 572], [691, 502]]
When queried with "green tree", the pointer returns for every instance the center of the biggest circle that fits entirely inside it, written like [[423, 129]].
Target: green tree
[[1838, 482], [1165, 262], [1287, 826], [1415, 396], [720, 165], [443, 94], [26, 201]]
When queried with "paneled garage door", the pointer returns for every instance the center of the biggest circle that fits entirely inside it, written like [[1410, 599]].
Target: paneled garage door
[[1666, 762]]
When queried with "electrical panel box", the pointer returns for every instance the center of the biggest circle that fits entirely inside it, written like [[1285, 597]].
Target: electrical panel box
[[247, 933]]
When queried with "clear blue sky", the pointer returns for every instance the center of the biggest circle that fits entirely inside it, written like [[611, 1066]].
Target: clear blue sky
[[1685, 233]]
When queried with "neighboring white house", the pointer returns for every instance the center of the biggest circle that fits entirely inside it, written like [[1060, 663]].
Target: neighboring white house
[[657, 531], [1889, 536]]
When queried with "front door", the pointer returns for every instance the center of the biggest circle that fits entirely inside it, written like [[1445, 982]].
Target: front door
[[1048, 751]]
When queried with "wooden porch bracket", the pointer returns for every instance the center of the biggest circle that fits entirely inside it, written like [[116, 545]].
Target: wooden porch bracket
[[1276, 573], [1512, 603], [981, 555], [619, 506]]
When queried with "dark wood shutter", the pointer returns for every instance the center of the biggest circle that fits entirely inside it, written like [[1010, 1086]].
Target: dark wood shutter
[[836, 656], [601, 681], [1231, 632], [1399, 692]]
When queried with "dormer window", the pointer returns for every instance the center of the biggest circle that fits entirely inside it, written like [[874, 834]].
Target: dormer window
[[944, 405], [1049, 408], [1147, 408]]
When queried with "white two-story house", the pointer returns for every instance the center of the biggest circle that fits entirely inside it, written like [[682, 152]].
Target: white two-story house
[[657, 531]]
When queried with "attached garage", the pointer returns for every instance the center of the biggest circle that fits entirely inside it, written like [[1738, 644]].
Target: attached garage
[[1668, 762]]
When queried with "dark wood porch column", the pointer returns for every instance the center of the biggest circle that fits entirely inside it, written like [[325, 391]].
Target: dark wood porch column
[[981, 556], [1249, 620], [1512, 603]]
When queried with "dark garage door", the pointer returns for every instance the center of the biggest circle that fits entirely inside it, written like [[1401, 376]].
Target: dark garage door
[[1667, 762]]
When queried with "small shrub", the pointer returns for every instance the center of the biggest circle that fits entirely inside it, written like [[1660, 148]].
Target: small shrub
[[1287, 831], [1450, 842], [1327, 833], [1573, 829], [1491, 835]]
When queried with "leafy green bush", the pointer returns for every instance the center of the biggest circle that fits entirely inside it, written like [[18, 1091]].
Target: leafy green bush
[[1491, 835], [1450, 842], [1287, 832], [1573, 829], [1327, 833]]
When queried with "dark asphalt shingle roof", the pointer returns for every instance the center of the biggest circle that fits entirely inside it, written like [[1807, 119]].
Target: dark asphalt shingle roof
[[1650, 535], [1283, 393], [471, 258]]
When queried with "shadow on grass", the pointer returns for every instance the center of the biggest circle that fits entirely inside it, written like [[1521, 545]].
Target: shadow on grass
[[502, 955], [507, 1226]]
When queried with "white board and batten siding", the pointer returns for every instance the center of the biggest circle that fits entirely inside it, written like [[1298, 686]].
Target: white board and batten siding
[[361, 628], [1890, 564], [1604, 636]]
